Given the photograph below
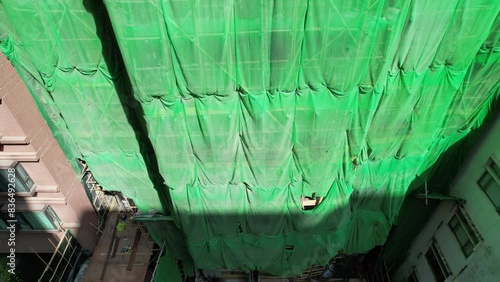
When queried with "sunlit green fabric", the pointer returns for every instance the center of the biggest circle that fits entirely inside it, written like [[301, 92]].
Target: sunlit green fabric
[[249, 105]]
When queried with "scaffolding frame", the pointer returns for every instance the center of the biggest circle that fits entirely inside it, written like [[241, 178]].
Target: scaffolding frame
[[104, 202], [67, 253]]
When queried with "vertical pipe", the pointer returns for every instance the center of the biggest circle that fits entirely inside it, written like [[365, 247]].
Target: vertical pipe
[[135, 247], [115, 247], [113, 237]]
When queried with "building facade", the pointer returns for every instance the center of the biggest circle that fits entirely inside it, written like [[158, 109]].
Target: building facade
[[49, 197], [460, 242]]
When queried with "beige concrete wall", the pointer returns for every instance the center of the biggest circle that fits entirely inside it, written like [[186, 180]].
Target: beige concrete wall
[[484, 262]]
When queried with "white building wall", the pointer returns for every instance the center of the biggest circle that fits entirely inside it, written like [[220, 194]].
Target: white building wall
[[484, 263]]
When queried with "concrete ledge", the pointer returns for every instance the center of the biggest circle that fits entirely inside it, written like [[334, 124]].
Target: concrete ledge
[[14, 140], [5, 164], [47, 189], [19, 156]]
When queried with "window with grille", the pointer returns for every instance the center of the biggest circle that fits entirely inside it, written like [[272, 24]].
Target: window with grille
[[465, 234], [437, 263], [22, 180], [489, 182]]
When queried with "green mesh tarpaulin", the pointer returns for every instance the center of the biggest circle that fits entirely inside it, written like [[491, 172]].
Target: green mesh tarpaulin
[[224, 113], [55, 47], [167, 269]]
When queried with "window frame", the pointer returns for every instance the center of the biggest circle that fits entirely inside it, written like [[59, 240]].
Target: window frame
[[441, 261], [489, 171], [47, 211], [413, 275], [463, 221], [23, 176]]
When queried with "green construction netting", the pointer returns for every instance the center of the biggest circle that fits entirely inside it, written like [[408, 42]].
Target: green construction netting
[[224, 113], [167, 270]]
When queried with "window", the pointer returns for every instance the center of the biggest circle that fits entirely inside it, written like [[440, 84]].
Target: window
[[309, 203], [437, 263], [490, 182], [412, 277], [22, 180], [34, 220], [464, 232]]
